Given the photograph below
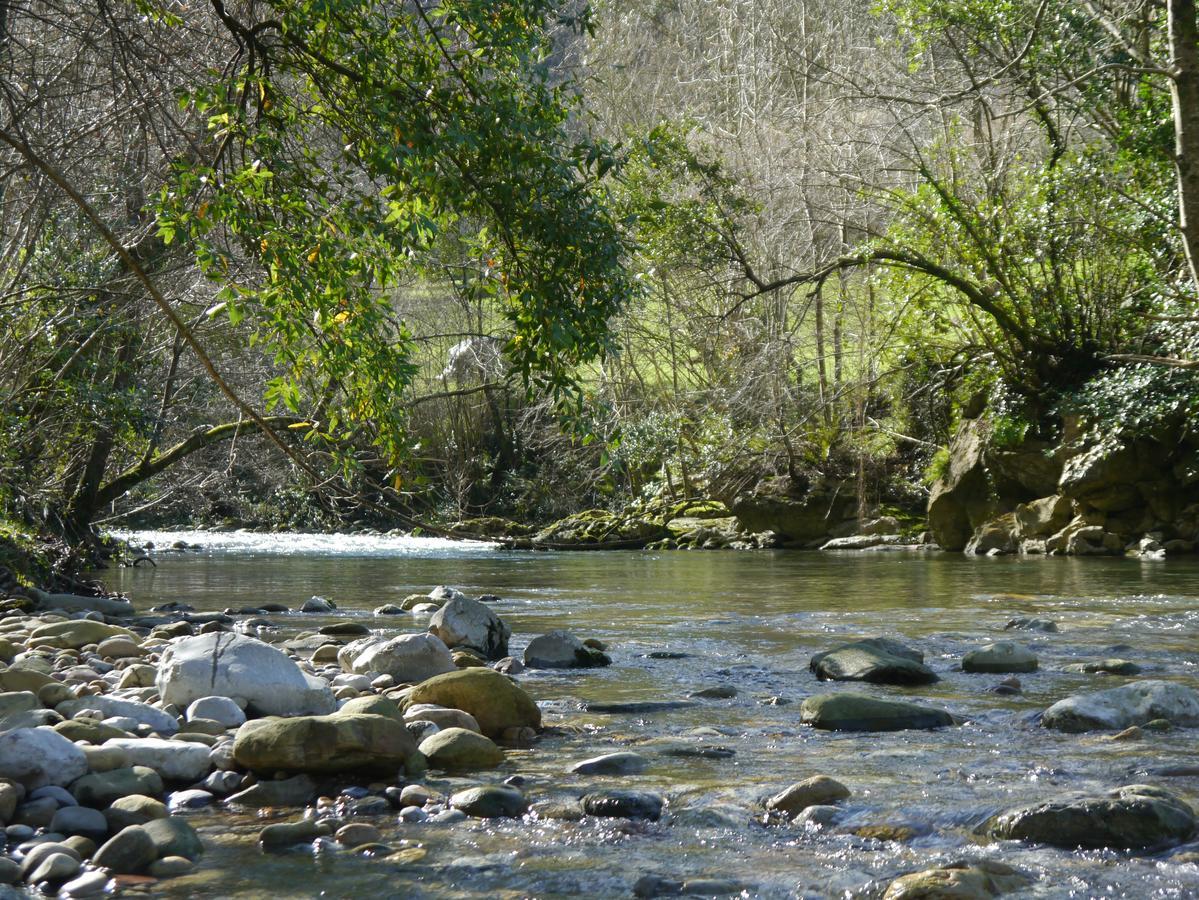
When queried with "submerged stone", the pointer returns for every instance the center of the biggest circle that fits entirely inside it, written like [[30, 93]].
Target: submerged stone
[[857, 712]]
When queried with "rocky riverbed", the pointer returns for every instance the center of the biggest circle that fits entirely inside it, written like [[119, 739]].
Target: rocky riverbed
[[150, 750]]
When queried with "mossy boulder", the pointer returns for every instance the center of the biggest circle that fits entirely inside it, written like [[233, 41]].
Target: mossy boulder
[[342, 742], [496, 702]]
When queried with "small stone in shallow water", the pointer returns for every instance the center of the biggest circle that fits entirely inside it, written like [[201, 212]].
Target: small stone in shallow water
[[667, 654], [357, 833], [89, 884], [964, 879], [1112, 667], [1027, 623], [1009, 686], [288, 834], [1002, 656], [416, 795], [413, 814], [623, 763], [720, 692], [170, 867], [624, 805], [490, 801], [699, 751], [819, 790]]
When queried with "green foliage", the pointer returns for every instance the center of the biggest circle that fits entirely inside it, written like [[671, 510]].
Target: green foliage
[[358, 140], [1135, 401]]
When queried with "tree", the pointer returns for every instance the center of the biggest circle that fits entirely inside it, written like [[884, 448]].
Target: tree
[[303, 158]]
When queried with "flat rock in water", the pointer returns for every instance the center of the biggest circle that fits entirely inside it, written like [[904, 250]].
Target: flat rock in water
[[875, 660], [623, 763], [1027, 623], [624, 805], [562, 650], [1111, 667], [1122, 707], [857, 712], [1133, 817], [1000, 657], [963, 880], [626, 707]]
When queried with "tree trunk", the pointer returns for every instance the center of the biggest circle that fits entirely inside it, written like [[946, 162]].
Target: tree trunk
[[1184, 89]]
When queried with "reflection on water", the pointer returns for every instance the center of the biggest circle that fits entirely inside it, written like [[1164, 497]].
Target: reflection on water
[[749, 621]]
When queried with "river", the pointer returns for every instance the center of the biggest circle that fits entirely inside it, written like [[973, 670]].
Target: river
[[747, 620]]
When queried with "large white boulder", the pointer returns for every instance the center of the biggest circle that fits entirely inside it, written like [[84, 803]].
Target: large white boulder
[[232, 665], [463, 622], [173, 760], [37, 757], [406, 658], [1123, 707]]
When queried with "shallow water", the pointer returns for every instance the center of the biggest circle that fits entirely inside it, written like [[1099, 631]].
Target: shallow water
[[748, 620]]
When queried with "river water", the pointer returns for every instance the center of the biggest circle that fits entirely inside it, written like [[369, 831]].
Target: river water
[[747, 620]]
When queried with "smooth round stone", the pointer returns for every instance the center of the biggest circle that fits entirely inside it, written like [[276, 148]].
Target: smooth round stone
[[819, 790], [490, 801], [80, 820], [357, 833], [89, 884], [127, 852], [106, 759], [35, 855], [821, 815], [10, 870], [357, 682], [217, 709], [55, 867], [210, 727], [18, 833], [624, 763], [624, 805], [413, 814], [189, 799], [59, 795], [81, 844], [170, 867], [416, 795], [448, 817], [125, 723], [38, 813], [355, 792], [1000, 657], [388, 609], [370, 806], [222, 782]]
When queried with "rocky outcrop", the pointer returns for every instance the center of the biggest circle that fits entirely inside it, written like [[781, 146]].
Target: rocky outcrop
[[798, 511], [1084, 496]]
